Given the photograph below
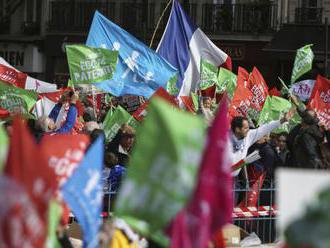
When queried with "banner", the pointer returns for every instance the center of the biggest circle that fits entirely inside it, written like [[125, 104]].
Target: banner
[[302, 63], [211, 204], [227, 81], [302, 89], [83, 193], [209, 74], [3, 146], [16, 100], [165, 171], [140, 71], [90, 65], [320, 100], [274, 109], [113, 122]]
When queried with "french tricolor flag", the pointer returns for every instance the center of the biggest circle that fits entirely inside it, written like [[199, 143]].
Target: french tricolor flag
[[183, 45]]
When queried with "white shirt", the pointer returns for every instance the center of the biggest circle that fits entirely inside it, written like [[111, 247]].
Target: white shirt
[[252, 136]]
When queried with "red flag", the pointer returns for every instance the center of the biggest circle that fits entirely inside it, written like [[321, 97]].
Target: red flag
[[320, 100], [210, 92], [242, 98], [27, 165], [274, 92], [258, 88], [11, 76], [188, 103], [141, 112], [211, 205]]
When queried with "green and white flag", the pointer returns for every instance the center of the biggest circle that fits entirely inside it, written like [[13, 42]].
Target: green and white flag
[[273, 109], [163, 167], [3, 147], [227, 81], [208, 75], [90, 65], [302, 63], [171, 87], [114, 120], [17, 100], [54, 216]]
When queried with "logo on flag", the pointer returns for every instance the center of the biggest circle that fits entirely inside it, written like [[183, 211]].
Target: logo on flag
[[140, 71]]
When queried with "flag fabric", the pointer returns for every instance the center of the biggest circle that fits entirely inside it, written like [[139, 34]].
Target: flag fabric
[[274, 109], [25, 81], [90, 65], [188, 103], [320, 100], [209, 74], [165, 172], [16, 100], [113, 122], [302, 89], [21, 225], [55, 212], [140, 71], [27, 165], [227, 81], [83, 193], [302, 63], [3, 146], [11, 76], [183, 45], [141, 112], [194, 98], [210, 206], [274, 92], [242, 98], [171, 87]]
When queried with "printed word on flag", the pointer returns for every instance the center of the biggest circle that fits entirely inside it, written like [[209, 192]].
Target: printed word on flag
[[166, 158], [209, 74], [11, 76], [90, 65], [320, 100], [140, 71], [83, 193], [183, 45], [302, 89], [227, 81], [16, 100], [302, 63]]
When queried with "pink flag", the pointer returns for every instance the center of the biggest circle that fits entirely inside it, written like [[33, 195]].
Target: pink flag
[[211, 204]]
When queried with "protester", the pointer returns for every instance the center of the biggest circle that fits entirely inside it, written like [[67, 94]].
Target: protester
[[90, 126], [205, 104], [281, 148], [122, 144], [47, 124]]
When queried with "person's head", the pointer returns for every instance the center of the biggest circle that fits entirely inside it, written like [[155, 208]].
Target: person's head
[[46, 124], [89, 114], [240, 126], [90, 126], [263, 139], [110, 159], [95, 134], [281, 141], [207, 102], [127, 136], [309, 117]]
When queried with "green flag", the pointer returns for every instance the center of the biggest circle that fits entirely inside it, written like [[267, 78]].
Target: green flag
[[163, 167], [17, 100], [227, 81], [114, 120], [171, 87], [90, 65], [302, 63], [54, 216], [273, 109], [209, 74], [195, 100], [3, 146]]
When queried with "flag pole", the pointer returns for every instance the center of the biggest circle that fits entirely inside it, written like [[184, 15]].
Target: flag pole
[[158, 23]]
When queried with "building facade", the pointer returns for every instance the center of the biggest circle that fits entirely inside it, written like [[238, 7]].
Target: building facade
[[33, 33]]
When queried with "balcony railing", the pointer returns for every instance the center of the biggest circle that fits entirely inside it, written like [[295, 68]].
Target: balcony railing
[[138, 18], [246, 18], [76, 16], [308, 15]]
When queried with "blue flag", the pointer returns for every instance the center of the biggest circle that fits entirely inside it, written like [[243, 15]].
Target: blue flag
[[140, 71], [83, 193]]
